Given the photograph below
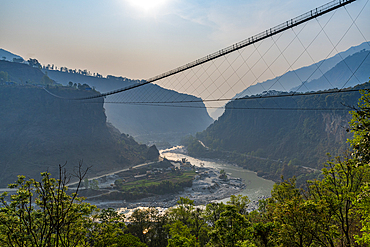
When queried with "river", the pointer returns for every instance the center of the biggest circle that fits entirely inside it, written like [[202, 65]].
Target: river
[[256, 186]]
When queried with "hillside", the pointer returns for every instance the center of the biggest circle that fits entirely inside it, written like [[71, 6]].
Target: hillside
[[342, 73], [269, 141], [24, 74], [147, 123], [8, 56], [39, 131]]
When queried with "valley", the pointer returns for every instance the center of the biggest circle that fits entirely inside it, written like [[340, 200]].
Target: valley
[[168, 123]]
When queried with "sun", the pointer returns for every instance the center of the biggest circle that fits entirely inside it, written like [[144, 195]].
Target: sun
[[146, 5]]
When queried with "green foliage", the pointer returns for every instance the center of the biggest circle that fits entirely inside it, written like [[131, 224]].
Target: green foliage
[[94, 184], [362, 202], [49, 129], [182, 212], [360, 127], [170, 182], [232, 228], [107, 229], [181, 236], [240, 202], [275, 143], [332, 211], [149, 226], [43, 214], [213, 212]]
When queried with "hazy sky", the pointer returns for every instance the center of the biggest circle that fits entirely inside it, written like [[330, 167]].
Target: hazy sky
[[141, 38]]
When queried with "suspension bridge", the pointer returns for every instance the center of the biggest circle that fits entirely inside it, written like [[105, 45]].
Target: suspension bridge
[[221, 76]]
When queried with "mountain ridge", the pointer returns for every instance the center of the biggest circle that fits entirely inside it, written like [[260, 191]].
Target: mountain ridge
[[39, 131], [292, 79]]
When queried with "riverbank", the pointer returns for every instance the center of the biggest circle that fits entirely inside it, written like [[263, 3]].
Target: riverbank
[[257, 187], [204, 190], [208, 185]]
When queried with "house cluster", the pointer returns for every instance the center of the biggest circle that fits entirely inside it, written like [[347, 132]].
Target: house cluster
[[183, 165]]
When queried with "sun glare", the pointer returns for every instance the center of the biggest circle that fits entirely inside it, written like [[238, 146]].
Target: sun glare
[[147, 5]]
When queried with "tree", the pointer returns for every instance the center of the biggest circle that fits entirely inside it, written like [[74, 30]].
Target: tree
[[232, 228], [182, 211], [143, 223], [342, 183], [223, 175], [290, 214], [34, 63], [107, 229], [360, 127], [43, 214], [363, 203], [240, 202], [181, 236], [95, 184], [213, 212]]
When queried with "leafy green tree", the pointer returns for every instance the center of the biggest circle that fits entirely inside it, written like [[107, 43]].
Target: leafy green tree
[[290, 214], [363, 204], [240, 202], [198, 226], [128, 240], [182, 211], [262, 233], [107, 230], [34, 63], [95, 184], [144, 224], [158, 232], [43, 214], [213, 212], [341, 184], [181, 236], [231, 229], [360, 127]]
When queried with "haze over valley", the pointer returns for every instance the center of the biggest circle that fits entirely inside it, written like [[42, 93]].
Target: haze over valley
[[185, 123]]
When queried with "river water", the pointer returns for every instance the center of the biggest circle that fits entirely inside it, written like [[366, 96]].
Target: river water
[[256, 186]]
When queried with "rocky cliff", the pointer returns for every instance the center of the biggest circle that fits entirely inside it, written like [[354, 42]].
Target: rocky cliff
[[39, 131]]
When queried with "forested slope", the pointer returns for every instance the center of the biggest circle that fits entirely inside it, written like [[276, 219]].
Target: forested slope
[[39, 131], [260, 135]]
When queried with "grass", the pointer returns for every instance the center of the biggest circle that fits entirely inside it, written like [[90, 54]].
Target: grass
[[172, 177]]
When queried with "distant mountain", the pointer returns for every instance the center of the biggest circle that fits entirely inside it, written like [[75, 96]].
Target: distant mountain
[[150, 123], [353, 70], [292, 79]]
